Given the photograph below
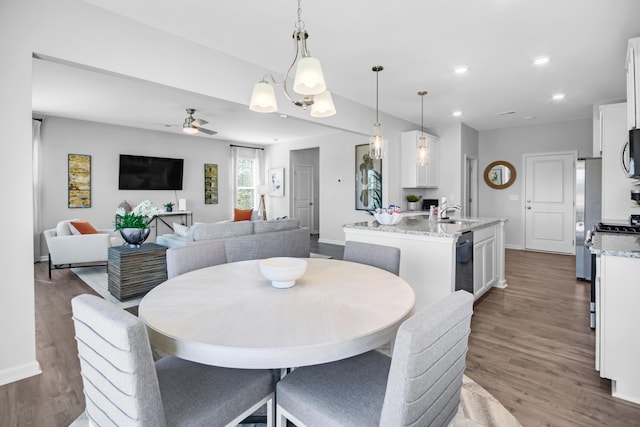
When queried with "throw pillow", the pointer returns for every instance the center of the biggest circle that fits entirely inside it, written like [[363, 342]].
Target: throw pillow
[[82, 227], [180, 230], [242, 214]]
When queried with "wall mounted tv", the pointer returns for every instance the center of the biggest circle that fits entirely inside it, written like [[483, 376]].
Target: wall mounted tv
[[150, 173]]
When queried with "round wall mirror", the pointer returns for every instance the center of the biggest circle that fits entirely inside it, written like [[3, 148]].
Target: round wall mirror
[[500, 174]]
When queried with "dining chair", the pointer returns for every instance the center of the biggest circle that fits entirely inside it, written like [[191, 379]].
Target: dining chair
[[183, 259], [124, 387], [385, 257], [418, 386]]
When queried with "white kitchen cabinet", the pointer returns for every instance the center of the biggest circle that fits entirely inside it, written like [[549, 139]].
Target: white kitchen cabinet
[[485, 268], [633, 80], [617, 320], [616, 186], [413, 175]]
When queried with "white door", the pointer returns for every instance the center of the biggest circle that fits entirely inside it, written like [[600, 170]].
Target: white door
[[549, 202], [303, 195]]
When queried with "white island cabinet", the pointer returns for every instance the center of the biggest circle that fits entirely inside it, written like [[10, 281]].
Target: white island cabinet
[[617, 314], [428, 252]]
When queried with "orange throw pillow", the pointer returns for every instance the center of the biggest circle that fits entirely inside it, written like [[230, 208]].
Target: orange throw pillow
[[242, 214], [84, 227]]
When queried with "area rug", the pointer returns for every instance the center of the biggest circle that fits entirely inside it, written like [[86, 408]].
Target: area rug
[[96, 278]]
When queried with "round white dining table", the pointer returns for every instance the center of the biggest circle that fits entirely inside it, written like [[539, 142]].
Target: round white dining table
[[229, 315]]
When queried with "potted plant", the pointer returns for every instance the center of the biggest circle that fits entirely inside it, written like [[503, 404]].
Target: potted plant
[[134, 226], [168, 206], [412, 200]]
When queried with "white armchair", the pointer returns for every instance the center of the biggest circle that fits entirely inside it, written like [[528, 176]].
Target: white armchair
[[66, 248]]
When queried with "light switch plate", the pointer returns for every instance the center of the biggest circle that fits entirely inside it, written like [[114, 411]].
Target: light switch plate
[[514, 197]]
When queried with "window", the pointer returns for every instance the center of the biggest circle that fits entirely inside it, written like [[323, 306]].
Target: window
[[246, 183], [248, 166]]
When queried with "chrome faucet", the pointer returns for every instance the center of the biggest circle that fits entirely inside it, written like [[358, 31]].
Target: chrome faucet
[[444, 208]]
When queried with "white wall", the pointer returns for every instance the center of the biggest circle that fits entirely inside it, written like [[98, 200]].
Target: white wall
[[510, 145], [105, 143]]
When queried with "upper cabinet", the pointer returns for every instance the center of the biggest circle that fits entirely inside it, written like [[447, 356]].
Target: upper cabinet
[[633, 80], [413, 175]]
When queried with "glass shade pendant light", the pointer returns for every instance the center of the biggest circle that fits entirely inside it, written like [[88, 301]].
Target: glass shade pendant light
[[423, 151], [377, 141], [308, 81]]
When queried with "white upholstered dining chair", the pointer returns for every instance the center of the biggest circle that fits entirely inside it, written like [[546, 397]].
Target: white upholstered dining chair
[[418, 386], [124, 387], [183, 259], [385, 257]]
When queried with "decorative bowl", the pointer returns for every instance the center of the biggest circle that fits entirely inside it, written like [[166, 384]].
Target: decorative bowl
[[385, 218], [283, 271]]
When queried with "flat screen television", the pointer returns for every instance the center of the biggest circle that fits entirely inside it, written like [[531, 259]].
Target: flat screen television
[[150, 173]]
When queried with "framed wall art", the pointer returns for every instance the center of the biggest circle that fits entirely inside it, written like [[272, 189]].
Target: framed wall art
[[79, 180], [210, 184], [276, 182], [368, 180]]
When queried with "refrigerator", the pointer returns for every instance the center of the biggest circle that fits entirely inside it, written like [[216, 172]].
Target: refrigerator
[[588, 209]]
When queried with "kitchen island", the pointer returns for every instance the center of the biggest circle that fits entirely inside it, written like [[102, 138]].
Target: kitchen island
[[617, 316], [428, 252]]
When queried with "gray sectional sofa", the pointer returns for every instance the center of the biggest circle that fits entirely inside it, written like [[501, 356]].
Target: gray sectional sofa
[[247, 239]]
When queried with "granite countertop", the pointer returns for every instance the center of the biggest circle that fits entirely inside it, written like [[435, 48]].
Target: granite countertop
[[612, 244], [422, 225]]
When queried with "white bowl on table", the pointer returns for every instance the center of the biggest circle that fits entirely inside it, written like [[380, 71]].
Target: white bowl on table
[[283, 271], [385, 218]]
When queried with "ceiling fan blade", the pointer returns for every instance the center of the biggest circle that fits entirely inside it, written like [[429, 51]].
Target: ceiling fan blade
[[199, 122], [207, 131]]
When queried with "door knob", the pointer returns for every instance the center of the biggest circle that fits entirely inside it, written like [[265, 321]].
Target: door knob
[[528, 207]]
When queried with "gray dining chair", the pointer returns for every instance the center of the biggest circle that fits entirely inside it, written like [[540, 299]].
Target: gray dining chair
[[385, 257], [418, 386], [183, 259], [124, 387]]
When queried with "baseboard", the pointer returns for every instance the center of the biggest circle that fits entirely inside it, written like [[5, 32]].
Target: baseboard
[[331, 242], [516, 247], [19, 372]]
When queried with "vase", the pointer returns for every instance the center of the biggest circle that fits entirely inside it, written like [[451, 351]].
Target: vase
[[412, 206], [135, 236]]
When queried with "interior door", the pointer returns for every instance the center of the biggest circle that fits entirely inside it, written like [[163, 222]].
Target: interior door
[[303, 195], [549, 202]]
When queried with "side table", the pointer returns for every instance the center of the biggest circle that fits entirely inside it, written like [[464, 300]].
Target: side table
[[135, 271]]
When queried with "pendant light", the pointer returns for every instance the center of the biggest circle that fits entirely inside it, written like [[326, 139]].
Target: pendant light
[[308, 81], [376, 141], [423, 151]]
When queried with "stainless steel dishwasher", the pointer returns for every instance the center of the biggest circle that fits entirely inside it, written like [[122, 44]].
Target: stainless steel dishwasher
[[464, 262]]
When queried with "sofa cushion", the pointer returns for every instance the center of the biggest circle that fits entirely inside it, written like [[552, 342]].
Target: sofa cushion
[[62, 229], [242, 214], [275, 225], [82, 227], [220, 230], [180, 230]]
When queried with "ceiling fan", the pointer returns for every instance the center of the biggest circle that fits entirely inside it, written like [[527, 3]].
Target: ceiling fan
[[193, 125]]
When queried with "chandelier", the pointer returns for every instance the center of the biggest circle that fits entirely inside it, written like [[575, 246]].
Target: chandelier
[[308, 82], [376, 141], [423, 152]]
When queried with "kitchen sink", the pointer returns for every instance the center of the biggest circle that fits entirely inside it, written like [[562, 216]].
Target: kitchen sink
[[458, 221]]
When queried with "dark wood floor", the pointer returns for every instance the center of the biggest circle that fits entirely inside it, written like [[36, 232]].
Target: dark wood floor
[[530, 346]]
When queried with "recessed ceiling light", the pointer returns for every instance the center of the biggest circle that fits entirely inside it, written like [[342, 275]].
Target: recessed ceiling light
[[460, 69], [457, 113], [558, 96], [541, 60]]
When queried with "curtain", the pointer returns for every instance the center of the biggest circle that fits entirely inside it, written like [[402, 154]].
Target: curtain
[[35, 144], [234, 175]]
